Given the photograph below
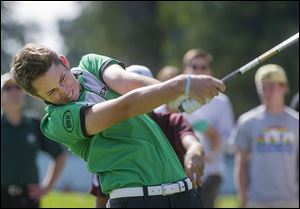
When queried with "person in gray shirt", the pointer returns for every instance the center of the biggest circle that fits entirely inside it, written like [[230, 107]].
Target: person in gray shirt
[[267, 142]]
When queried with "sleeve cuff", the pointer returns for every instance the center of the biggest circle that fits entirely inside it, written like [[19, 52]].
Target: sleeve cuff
[[105, 65], [82, 120]]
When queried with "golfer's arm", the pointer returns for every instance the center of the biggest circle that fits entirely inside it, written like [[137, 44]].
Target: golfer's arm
[[241, 174], [122, 81], [139, 101]]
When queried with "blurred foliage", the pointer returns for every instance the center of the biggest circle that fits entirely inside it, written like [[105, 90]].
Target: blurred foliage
[[156, 34], [123, 30], [12, 35]]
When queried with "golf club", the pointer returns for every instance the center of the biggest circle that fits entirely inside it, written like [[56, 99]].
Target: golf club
[[275, 50]]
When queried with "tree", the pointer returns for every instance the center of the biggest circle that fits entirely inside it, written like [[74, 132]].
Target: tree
[[234, 33], [12, 35], [159, 33], [123, 30]]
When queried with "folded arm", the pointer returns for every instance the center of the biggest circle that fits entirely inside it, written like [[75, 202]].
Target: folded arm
[[142, 100]]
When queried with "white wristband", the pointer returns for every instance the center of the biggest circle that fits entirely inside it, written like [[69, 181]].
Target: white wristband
[[188, 85]]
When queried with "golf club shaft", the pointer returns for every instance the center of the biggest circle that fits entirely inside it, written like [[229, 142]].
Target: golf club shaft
[[261, 58]]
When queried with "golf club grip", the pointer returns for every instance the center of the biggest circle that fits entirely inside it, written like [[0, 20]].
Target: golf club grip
[[231, 76]]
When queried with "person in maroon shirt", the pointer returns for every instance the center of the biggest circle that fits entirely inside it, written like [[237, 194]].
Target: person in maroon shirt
[[181, 137]]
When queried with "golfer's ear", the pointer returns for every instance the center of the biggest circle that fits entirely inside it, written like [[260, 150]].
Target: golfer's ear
[[64, 61]]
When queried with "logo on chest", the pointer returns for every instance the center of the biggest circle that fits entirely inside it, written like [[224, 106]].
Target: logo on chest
[[68, 121], [275, 139]]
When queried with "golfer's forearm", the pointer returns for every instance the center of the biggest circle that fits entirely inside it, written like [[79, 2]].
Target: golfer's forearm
[[145, 99]]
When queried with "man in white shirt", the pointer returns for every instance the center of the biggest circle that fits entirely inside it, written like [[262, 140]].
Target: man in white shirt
[[212, 123]]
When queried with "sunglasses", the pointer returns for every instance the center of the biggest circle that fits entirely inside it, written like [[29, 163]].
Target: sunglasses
[[200, 67], [9, 88]]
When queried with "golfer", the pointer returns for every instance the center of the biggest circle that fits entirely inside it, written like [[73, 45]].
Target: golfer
[[97, 111]]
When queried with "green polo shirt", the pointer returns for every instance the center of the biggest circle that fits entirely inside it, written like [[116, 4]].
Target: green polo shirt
[[19, 148], [133, 152]]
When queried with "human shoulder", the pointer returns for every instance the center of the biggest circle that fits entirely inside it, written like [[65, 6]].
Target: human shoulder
[[97, 64], [219, 101], [54, 109], [222, 98], [65, 123], [92, 57], [59, 114], [251, 115], [292, 113]]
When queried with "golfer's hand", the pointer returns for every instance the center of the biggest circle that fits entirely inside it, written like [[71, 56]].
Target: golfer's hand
[[204, 88], [194, 165]]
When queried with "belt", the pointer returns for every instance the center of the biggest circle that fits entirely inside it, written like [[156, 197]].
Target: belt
[[163, 189]]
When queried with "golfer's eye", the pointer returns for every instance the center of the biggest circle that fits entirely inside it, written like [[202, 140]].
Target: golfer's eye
[[62, 78], [52, 92]]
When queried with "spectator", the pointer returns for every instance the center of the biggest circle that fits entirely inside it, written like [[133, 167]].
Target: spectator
[[212, 123], [267, 142], [21, 139]]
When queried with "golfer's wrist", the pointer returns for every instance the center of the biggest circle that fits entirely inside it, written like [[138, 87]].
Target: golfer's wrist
[[179, 85], [188, 85]]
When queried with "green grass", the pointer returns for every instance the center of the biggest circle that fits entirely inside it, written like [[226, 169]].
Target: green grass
[[68, 200], [227, 201], [82, 200]]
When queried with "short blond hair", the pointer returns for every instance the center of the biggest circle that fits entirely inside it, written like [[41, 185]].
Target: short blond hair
[[270, 72]]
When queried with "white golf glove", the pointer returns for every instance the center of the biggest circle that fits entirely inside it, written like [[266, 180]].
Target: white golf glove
[[173, 105], [184, 104], [189, 106]]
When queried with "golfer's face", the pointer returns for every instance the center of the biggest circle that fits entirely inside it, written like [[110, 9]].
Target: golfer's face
[[58, 85]]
